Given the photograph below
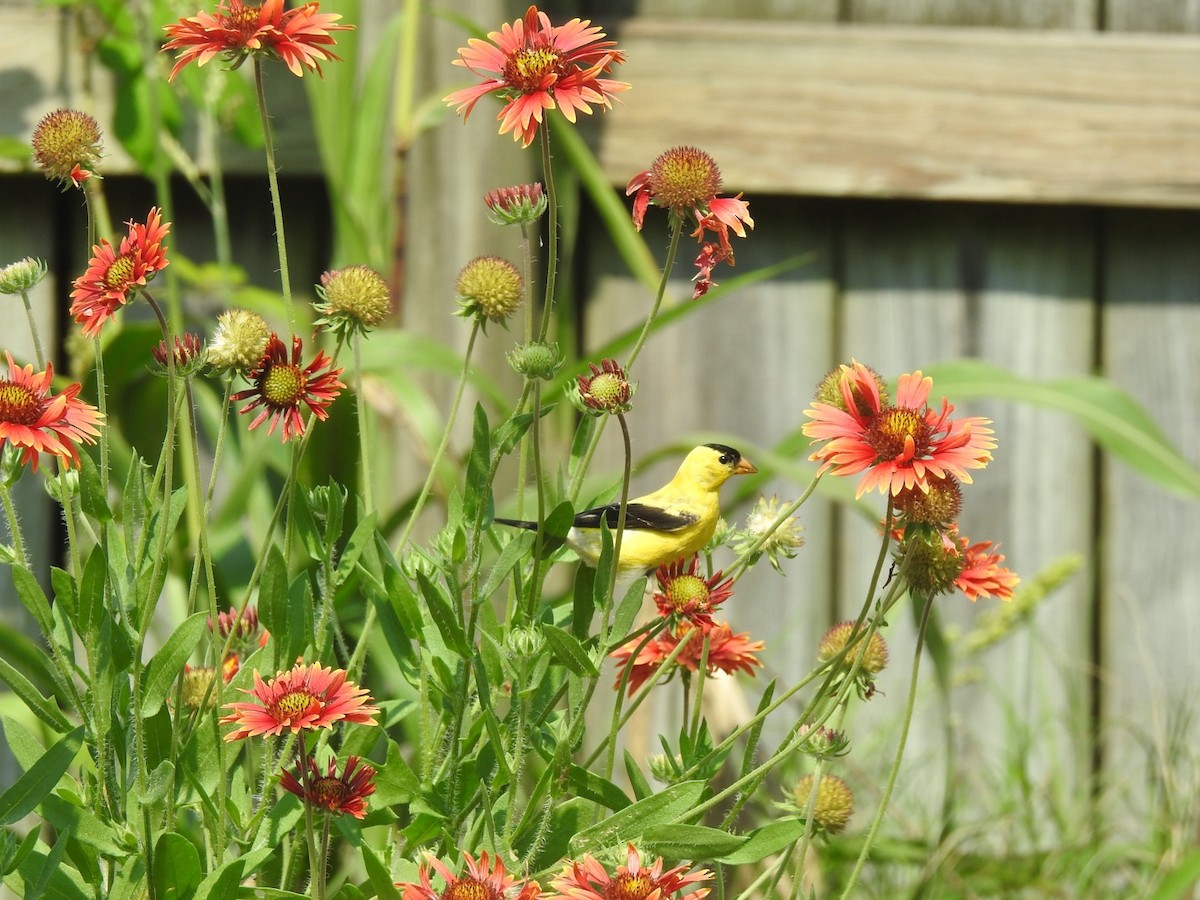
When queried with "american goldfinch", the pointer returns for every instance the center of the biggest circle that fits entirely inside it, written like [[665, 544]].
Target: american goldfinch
[[675, 521]]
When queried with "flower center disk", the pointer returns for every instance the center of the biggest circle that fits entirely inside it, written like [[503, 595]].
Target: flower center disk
[[289, 706], [283, 386], [897, 434], [469, 889], [18, 404], [119, 273], [688, 591], [528, 68], [629, 887]]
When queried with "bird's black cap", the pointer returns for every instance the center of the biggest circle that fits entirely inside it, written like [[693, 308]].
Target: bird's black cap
[[729, 456]]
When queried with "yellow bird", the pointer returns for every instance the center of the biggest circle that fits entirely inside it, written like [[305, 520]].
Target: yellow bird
[[675, 521]]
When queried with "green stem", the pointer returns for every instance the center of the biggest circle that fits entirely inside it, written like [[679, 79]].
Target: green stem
[[276, 204], [552, 235], [14, 524], [672, 248], [360, 649], [33, 332], [873, 831], [364, 440], [742, 563]]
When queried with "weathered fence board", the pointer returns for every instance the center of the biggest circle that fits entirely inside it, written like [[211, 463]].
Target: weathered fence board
[[946, 113]]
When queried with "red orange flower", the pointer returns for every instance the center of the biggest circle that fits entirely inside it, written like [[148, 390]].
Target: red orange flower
[[727, 652], [300, 37], [345, 793], [35, 421], [897, 445], [537, 66], [483, 880], [982, 574], [682, 591], [306, 696], [282, 385], [588, 880], [112, 274]]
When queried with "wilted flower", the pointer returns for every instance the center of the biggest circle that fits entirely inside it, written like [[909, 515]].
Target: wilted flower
[[21, 276], [66, 146], [683, 592], [113, 274], [537, 359], [35, 421], [346, 793], [489, 289], [484, 880], [537, 66], [763, 536], [517, 205], [606, 390], [982, 575], [282, 386], [306, 696], [355, 298], [834, 804], [686, 181], [588, 880], [300, 37], [238, 342], [896, 446]]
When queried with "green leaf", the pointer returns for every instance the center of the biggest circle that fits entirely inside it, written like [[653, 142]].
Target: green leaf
[[91, 593], [361, 538], [443, 616], [91, 492], [272, 593], [378, 874], [637, 780], [1180, 883], [629, 607], [763, 842], [85, 827], [40, 706], [222, 883], [167, 663], [177, 871], [664, 808], [592, 787], [31, 594], [395, 781], [1112, 417], [32, 787], [158, 784], [512, 554], [478, 489], [690, 841], [568, 651]]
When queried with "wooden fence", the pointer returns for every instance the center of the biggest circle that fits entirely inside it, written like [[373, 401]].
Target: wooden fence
[[1017, 182]]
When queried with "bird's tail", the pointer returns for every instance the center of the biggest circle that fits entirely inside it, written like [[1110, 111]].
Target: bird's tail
[[517, 523]]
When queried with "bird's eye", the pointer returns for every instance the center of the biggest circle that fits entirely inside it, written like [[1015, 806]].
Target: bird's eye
[[727, 459]]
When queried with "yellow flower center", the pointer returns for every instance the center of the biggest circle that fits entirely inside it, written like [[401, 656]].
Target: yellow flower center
[[684, 178], [119, 273], [283, 387], [896, 434], [606, 388], [527, 68], [629, 887], [244, 18], [18, 404], [291, 705], [688, 591], [66, 138], [468, 889]]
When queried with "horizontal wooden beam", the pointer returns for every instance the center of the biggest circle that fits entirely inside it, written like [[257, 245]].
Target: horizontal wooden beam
[[943, 113]]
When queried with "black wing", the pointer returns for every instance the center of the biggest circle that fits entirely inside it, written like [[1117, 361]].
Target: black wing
[[637, 515]]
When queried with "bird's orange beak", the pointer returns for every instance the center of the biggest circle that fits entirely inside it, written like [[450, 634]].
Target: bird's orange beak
[[744, 467]]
